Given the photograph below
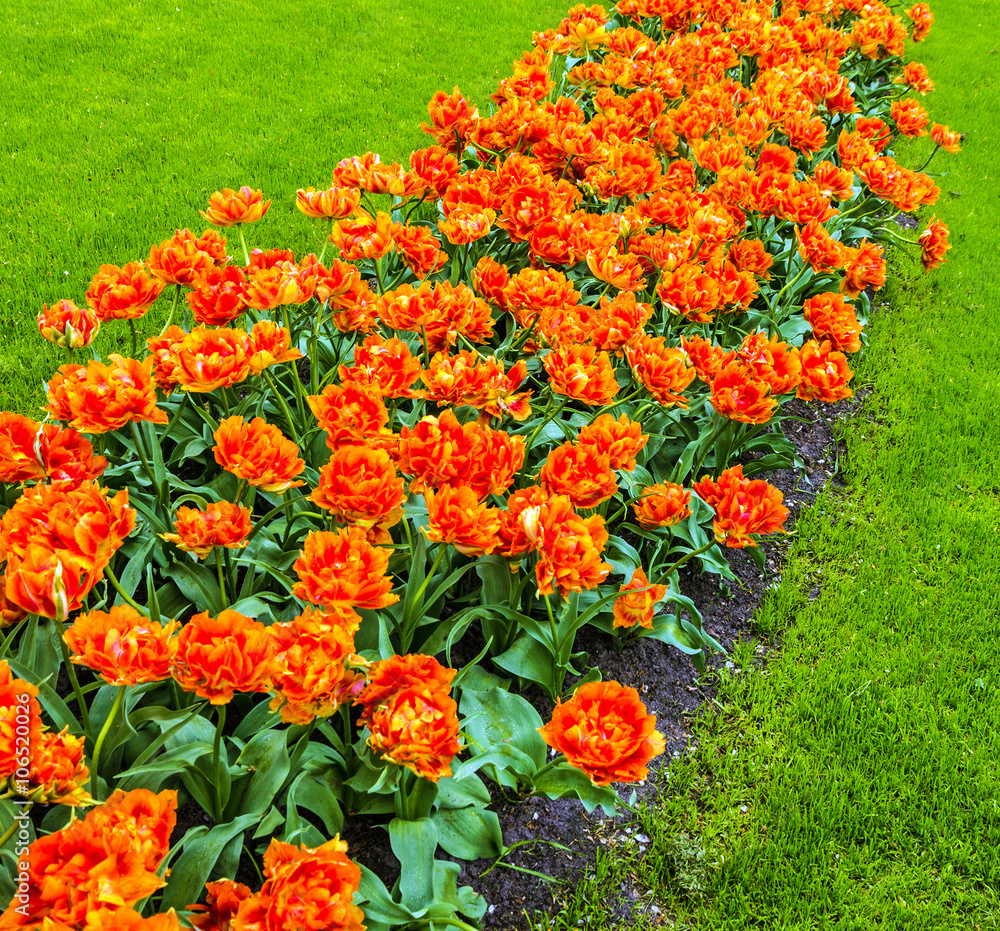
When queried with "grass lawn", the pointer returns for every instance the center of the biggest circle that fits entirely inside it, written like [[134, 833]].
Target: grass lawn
[[120, 120], [853, 783]]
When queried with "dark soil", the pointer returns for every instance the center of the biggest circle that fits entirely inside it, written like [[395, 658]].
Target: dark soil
[[670, 687]]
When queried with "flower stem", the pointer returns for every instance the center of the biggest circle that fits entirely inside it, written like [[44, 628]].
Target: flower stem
[[71, 674], [117, 586], [95, 760], [220, 725], [222, 577], [665, 577]]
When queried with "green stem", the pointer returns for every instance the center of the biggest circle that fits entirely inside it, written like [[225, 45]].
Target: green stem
[[117, 586], [95, 760], [243, 243], [9, 833], [222, 577], [173, 310], [547, 418], [141, 450], [71, 673], [220, 725], [135, 342]]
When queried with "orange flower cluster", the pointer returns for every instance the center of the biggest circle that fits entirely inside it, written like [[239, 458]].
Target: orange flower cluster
[[342, 569], [304, 887], [100, 398], [122, 646], [604, 731], [35, 763], [91, 873], [220, 524], [33, 452], [258, 452], [67, 325], [742, 507], [410, 714], [57, 540]]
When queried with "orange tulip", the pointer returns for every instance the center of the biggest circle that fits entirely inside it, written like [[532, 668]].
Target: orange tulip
[[620, 439], [230, 208], [864, 268], [269, 344], [104, 862], [456, 516], [305, 888], [335, 203], [582, 373], [315, 671], [217, 657], [20, 725], [944, 137], [663, 370], [100, 398], [933, 246], [636, 602], [742, 507], [360, 486], [59, 773], [353, 414], [411, 716], [209, 359], [184, 257], [124, 293], [223, 899], [738, 395], [365, 237], [825, 373], [387, 365], [662, 505], [604, 731], [258, 452], [911, 118], [122, 646], [67, 325], [832, 318], [569, 548], [219, 295], [220, 524], [343, 568], [580, 472], [30, 451]]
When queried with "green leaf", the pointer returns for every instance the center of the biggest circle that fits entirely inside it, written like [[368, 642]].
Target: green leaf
[[170, 761], [194, 866], [414, 844], [133, 572], [497, 718], [496, 577], [377, 903], [528, 659], [460, 793], [199, 585], [319, 793], [469, 833], [563, 781], [266, 758]]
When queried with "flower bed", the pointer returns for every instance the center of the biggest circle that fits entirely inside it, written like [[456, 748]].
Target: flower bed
[[541, 375]]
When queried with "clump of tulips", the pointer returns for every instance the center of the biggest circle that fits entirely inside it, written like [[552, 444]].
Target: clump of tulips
[[521, 384]]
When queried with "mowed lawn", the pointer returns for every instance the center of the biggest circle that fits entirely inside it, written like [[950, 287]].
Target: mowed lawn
[[118, 121]]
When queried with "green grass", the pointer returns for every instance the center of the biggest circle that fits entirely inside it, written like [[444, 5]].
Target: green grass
[[119, 120], [853, 782]]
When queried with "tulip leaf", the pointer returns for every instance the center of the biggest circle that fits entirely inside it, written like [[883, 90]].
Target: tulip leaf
[[414, 844], [461, 792], [194, 866], [198, 584], [469, 833], [378, 904], [563, 781], [318, 793], [528, 659], [266, 759], [497, 718]]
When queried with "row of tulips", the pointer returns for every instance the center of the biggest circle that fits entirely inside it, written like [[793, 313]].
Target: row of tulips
[[304, 557]]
